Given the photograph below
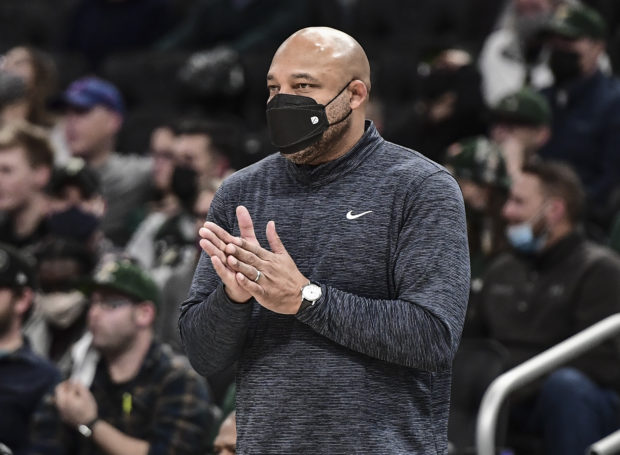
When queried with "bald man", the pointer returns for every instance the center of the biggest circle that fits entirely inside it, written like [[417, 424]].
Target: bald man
[[344, 308]]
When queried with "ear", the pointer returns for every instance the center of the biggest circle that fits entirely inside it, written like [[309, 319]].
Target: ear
[[113, 122], [145, 314], [23, 301], [359, 93], [42, 175], [556, 210], [542, 135]]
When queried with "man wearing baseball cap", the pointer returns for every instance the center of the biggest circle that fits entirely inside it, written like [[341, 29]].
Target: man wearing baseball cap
[[520, 125], [585, 106], [24, 377], [143, 398], [95, 112]]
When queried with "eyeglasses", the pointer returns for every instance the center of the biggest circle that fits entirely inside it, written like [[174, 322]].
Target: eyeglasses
[[109, 303]]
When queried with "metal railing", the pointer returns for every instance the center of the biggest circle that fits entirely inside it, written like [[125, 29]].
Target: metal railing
[[532, 369]]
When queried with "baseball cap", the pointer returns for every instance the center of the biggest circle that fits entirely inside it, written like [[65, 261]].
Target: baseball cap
[[16, 269], [88, 92], [525, 107], [124, 277], [479, 160], [75, 173], [576, 21]]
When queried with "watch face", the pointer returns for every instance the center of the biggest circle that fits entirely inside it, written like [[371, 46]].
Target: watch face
[[311, 292]]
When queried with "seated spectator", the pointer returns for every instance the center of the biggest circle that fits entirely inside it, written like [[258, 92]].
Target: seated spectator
[[520, 125], [60, 310], [26, 161], [226, 440], [24, 376], [142, 398], [95, 114], [478, 166], [38, 71], [512, 56], [585, 105], [551, 286], [77, 207]]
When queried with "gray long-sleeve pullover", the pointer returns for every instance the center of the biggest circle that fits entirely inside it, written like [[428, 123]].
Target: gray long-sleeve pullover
[[367, 368]]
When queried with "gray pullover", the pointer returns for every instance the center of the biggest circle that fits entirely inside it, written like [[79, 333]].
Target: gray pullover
[[367, 368]]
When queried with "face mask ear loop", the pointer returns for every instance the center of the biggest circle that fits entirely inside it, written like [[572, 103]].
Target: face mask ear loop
[[338, 94]]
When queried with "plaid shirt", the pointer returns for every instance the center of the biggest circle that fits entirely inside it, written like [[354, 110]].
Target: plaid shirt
[[166, 404]]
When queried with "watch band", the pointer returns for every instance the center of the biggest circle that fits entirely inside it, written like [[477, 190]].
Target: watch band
[[86, 429]]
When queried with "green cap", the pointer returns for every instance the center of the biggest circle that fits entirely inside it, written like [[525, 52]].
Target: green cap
[[126, 278], [479, 160], [577, 21], [525, 107]]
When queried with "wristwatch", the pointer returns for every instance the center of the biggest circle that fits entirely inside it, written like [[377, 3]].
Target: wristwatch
[[86, 430], [310, 293]]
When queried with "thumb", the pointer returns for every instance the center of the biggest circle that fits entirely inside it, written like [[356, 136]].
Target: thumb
[[273, 238]]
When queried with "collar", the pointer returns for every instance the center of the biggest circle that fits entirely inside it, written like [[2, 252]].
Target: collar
[[559, 251], [321, 174], [565, 95]]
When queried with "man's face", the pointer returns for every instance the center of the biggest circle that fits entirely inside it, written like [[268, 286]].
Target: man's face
[[587, 49], [196, 151], [301, 69], [112, 322], [7, 310], [88, 131], [226, 440], [162, 151], [525, 202], [19, 181]]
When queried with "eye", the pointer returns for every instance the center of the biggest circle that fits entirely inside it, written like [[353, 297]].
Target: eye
[[273, 89]]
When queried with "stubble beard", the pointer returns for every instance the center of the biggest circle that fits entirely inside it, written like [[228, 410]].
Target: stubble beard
[[315, 153]]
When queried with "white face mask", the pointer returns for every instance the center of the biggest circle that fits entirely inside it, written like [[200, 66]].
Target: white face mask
[[521, 236], [61, 309]]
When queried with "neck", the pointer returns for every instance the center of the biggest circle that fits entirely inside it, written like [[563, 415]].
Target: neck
[[12, 340], [28, 217], [98, 158], [344, 145], [125, 365], [558, 233]]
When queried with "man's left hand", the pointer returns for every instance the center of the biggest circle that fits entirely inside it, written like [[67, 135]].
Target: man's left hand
[[278, 287], [76, 404]]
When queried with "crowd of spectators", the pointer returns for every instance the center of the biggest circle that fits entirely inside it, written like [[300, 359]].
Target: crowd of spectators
[[119, 120]]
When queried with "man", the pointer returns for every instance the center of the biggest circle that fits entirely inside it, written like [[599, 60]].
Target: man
[[359, 360], [226, 438], [94, 117], [511, 56], [26, 162], [585, 105], [143, 398], [520, 125], [24, 376], [552, 286]]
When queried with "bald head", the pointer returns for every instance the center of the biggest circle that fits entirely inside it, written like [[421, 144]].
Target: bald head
[[328, 47]]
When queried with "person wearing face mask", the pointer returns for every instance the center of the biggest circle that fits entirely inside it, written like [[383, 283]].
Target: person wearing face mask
[[585, 106], [334, 272], [553, 284]]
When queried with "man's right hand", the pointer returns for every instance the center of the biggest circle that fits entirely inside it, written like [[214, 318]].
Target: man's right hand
[[214, 241]]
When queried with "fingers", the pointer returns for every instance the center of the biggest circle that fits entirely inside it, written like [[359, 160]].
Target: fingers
[[217, 233], [273, 238], [250, 271], [212, 250], [246, 227]]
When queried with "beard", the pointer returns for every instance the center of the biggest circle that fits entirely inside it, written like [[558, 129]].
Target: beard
[[314, 153]]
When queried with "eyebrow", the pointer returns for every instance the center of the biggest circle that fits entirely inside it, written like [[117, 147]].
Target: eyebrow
[[305, 76]]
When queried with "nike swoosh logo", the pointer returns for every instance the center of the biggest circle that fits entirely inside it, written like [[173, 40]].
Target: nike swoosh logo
[[350, 215]]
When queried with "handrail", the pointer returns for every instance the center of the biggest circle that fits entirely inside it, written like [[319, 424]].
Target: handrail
[[606, 446], [532, 369]]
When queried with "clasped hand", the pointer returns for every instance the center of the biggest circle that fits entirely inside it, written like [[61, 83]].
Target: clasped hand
[[238, 261]]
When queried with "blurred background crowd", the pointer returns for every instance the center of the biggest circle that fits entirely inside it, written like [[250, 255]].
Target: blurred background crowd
[[120, 118]]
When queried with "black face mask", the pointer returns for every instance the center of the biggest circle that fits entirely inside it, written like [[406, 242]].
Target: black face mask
[[73, 223], [296, 122], [564, 65], [185, 184]]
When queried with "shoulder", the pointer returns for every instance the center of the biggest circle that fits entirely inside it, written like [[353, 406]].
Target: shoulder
[[596, 255], [171, 367], [39, 367]]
